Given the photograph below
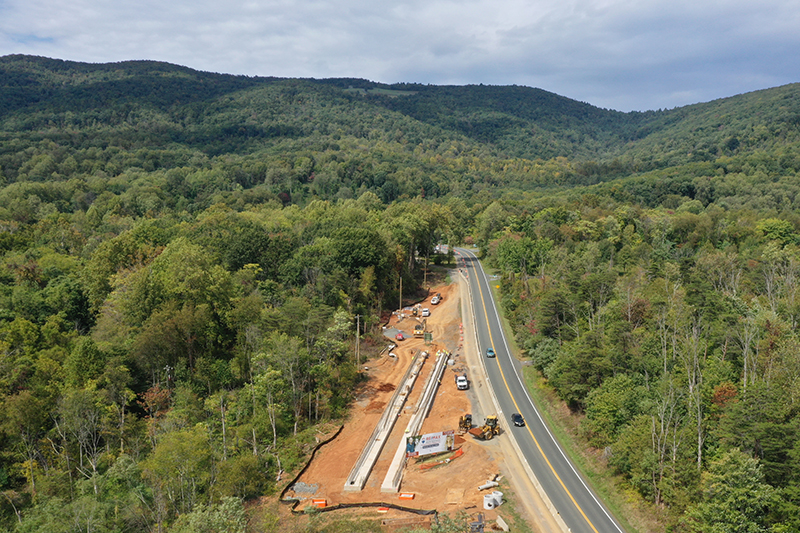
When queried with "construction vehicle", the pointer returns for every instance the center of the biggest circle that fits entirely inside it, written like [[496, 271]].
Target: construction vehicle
[[488, 430], [419, 330], [464, 423]]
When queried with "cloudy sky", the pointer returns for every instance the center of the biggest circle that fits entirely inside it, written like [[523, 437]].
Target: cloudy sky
[[617, 54]]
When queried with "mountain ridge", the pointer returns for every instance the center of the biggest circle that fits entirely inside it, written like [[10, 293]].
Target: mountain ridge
[[492, 136]]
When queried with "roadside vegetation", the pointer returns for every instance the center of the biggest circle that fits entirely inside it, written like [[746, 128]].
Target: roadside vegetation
[[673, 339]]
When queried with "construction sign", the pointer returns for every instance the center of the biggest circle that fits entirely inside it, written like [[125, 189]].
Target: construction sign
[[420, 445]]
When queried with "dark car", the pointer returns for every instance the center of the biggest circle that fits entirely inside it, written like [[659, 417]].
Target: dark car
[[517, 420], [489, 352]]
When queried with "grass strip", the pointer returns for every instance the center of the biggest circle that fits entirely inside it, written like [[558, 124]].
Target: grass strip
[[627, 507]]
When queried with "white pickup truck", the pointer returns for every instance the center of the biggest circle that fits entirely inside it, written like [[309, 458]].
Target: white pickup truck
[[461, 382]]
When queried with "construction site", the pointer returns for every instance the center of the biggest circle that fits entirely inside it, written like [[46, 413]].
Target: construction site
[[373, 462]]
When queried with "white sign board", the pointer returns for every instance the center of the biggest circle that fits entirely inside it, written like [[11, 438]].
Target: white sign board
[[429, 443]]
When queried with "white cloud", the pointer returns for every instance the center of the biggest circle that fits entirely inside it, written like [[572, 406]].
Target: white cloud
[[617, 54]]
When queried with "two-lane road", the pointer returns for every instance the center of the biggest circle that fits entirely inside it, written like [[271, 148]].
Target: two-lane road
[[576, 504]]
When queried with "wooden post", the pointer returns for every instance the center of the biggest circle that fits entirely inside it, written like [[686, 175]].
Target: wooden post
[[358, 340], [400, 309]]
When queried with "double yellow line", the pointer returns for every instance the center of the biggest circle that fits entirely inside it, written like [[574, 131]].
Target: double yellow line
[[516, 406]]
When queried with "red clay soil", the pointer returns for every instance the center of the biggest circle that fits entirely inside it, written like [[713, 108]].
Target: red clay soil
[[447, 488]]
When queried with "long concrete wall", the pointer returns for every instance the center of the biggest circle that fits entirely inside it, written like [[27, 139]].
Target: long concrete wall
[[391, 483], [369, 455]]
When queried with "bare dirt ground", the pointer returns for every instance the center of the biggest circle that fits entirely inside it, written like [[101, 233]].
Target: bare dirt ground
[[448, 488]]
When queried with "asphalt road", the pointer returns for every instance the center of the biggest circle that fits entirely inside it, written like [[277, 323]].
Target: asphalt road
[[576, 504]]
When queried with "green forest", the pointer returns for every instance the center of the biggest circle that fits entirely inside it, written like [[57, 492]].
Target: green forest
[[183, 255]]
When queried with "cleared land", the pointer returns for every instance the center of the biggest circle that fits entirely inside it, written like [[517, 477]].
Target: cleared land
[[450, 487]]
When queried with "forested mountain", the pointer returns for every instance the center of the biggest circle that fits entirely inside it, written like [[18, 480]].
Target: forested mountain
[[431, 140], [183, 254]]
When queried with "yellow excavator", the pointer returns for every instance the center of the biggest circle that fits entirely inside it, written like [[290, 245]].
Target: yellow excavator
[[489, 429]]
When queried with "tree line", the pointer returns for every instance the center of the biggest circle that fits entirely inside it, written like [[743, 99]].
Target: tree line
[[166, 370], [673, 335]]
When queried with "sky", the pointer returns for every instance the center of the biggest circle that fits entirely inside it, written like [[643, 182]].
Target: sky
[[616, 54]]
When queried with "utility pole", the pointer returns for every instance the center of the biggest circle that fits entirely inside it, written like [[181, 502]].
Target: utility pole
[[358, 340], [400, 309]]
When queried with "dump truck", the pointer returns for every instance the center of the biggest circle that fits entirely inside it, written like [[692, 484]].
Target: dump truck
[[488, 430], [464, 423]]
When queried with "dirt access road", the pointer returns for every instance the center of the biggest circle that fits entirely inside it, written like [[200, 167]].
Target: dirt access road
[[448, 488]]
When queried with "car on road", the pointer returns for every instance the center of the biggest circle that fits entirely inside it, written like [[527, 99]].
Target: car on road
[[490, 352], [400, 336], [517, 420], [426, 312]]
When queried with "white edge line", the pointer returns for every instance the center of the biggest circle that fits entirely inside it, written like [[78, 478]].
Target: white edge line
[[530, 400], [514, 444]]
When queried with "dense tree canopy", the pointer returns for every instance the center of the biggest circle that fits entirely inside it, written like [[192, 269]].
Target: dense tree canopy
[[183, 255]]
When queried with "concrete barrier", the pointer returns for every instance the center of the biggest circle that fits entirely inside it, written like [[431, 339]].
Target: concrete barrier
[[369, 455], [391, 483]]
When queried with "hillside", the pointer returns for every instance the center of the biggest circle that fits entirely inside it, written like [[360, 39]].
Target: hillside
[[168, 136], [220, 113]]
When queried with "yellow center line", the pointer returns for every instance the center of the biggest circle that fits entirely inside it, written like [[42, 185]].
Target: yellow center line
[[535, 440]]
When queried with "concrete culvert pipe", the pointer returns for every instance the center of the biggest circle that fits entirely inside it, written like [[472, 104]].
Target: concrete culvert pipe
[[489, 502]]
